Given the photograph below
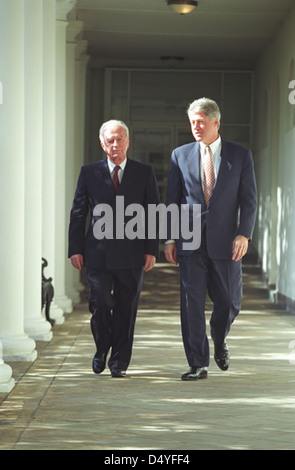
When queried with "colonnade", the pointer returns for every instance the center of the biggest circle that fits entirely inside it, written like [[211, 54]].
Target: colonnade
[[43, 65]]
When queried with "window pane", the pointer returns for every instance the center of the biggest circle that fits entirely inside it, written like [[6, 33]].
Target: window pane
[[153, 146], [237, 98], [158, 96], [119, 96]]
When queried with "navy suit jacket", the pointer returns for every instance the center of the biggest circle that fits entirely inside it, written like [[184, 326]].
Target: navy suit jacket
[[232, 208], [95, 186]]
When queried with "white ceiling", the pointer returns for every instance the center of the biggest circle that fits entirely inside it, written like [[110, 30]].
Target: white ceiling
[[218, 33]]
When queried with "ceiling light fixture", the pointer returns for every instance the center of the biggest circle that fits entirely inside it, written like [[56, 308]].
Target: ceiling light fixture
[[182, 7]]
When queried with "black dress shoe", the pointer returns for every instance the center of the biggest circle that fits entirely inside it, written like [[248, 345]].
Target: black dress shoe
[[99, 363], [195, 373], [118, 373], [222, 356]]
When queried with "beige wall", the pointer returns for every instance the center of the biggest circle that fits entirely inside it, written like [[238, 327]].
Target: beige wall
[[274, 154]]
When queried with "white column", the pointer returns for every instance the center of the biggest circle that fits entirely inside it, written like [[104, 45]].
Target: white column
[[82, 64], [81, 69], [36, 325], [63, 7], [74, 28], [16, 345], [48, 151]]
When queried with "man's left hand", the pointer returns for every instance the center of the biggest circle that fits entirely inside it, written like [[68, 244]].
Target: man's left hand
[[149, 262], [240, 247]]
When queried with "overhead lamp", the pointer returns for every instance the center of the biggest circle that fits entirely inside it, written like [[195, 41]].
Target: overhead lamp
[[182, 7]]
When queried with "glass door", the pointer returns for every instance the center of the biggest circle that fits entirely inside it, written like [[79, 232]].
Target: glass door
[[183, 135], [153, 145]]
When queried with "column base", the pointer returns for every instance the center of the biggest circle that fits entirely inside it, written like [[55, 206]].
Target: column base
[[38, 329], [18, 349], [74, 295], [6, 381], [56, 313], [65, 303]]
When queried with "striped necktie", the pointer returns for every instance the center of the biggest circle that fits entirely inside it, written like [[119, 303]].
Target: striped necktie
[[209, 177]]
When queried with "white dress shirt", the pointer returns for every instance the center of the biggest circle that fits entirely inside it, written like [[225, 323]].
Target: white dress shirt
[[122, 165]]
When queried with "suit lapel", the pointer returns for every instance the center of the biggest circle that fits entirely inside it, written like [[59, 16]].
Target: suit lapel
[[127, 177], [223, 173], [193, 167], [103, 179]]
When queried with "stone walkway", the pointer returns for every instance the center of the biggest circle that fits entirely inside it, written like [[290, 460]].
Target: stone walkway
[[59, 404]]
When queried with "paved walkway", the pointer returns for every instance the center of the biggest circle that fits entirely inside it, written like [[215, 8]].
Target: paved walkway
[[59, 404]]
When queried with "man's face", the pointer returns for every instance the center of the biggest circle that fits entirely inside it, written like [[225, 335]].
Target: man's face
[[203, 128], [115, 144]]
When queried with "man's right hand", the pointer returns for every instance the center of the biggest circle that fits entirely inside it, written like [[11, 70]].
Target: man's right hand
[[171, 252], [77, 261]]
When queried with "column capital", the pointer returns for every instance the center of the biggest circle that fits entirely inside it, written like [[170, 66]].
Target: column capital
[[74, 28], [81, 49], [63, 8]]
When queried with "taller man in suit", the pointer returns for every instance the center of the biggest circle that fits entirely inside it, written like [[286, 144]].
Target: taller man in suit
[[114, 261], [219, 175]]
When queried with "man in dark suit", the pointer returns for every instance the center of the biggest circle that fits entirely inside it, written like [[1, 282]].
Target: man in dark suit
[[114, 261], [219, 176]]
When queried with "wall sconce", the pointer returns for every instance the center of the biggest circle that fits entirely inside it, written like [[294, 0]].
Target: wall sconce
[[182, 7]]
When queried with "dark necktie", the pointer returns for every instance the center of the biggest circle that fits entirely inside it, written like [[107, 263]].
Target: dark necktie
[[115, 177]]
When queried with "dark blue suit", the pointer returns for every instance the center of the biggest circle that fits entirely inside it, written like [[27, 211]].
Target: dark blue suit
[[231, 211], [114, 266]]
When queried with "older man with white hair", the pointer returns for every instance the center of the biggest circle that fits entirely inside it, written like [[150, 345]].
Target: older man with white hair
[[114, 264]]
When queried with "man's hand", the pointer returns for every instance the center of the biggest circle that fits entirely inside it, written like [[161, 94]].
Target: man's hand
[[171, 252], [149, 262], [240, 247], [77, 261]]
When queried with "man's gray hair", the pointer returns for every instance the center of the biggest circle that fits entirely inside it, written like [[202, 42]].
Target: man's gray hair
[[112, 123], [204, 105]]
